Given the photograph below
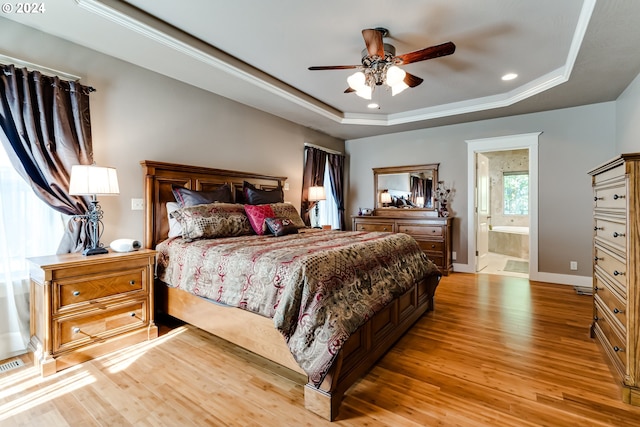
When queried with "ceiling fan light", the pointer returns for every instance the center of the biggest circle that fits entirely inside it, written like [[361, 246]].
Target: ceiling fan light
[[356, 81], [395, 75], [398, 87], [364, 92]]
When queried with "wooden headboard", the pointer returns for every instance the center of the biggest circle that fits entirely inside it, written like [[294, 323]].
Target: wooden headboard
[[159, 176]]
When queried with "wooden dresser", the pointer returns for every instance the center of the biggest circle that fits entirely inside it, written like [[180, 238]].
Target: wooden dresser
[[616, 279], [86, 306], [433, 234]]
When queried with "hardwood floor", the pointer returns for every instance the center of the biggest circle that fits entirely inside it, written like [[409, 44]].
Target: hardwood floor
[[497, 351]]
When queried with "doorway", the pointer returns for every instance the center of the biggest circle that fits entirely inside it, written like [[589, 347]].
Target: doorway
[[503, 221]]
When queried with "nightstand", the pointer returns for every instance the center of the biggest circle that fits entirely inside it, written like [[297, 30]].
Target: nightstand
[[86, 306]]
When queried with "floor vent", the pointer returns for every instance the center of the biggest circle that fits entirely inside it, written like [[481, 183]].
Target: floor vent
[[583, 290], [11, 365]]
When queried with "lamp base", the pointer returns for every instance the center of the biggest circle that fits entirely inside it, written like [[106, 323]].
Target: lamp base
[[94, 251]]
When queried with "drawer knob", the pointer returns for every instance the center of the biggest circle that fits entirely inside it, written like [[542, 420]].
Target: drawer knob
[[132, 282], [617, 349], [76, 293], [596, 289], [616, 234], [596, 228], [362, 227], [132, 314], [596, 259], [596, 318], [616, 311], [618, 273], [433, 246], [384, 229], [595, 199], [616, 197], [75, 329]]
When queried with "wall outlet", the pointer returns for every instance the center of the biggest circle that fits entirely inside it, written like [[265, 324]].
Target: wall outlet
[[454, 255], [137, 204], [573, 265]]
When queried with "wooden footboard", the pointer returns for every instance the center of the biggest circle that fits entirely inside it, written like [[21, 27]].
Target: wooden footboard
[[258, 335]]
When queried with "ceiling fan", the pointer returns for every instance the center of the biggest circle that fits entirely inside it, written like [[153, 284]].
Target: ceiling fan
[[380, 65]]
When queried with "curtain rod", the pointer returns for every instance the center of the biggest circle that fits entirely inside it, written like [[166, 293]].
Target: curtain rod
[[36, 67], [328, 150]]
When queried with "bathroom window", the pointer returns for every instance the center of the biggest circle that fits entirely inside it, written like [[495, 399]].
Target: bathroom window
[[516, 193]]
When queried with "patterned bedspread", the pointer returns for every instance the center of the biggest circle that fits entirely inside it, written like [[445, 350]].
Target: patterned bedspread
[[318, 287]]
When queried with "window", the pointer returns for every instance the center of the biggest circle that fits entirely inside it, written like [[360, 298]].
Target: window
[[328, 208], [28, 227], [516, 193]]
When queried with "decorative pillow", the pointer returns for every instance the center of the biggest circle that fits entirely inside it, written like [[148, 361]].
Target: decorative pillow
[[186, 197], [281, 226], [257, 215], [212, 220], [254, 196], [287, 210], [175, 229]]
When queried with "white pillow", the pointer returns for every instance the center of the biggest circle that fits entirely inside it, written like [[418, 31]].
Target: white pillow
[[175, 229]]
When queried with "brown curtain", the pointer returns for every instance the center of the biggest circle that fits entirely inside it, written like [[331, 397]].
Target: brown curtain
[[336, 174], [313, 176], [46, 129]]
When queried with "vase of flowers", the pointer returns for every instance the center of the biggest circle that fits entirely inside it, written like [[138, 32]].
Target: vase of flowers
[[442, 196]]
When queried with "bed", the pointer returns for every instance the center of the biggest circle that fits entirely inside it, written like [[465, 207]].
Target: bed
[[355, 352]]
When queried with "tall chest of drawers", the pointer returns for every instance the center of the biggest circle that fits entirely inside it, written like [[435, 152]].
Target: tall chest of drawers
[[86, 306], [616, 268], [433, 234]]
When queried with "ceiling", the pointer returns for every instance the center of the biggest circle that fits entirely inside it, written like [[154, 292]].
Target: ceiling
[[566, 53]]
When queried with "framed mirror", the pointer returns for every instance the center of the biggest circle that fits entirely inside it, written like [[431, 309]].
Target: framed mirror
[[405, 189]]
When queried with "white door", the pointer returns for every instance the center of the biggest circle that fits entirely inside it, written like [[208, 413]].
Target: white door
[[482, 211]]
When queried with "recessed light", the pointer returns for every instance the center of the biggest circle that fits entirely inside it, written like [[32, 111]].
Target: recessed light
[[373, 105], [509, 76]]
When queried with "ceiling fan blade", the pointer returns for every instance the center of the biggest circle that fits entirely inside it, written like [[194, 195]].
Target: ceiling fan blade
[[412, 81], [443, 49], [349, 90], [334, 67], [373, 40]]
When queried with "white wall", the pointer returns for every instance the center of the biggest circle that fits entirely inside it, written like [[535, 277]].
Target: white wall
[[628, 119], [141, 115], [572, 141]]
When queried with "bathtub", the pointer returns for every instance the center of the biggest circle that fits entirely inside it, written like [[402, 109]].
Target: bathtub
[[509, 240]]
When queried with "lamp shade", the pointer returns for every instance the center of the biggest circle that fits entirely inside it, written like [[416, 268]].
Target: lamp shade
[[385, 197], [93, 180], [316, 193]]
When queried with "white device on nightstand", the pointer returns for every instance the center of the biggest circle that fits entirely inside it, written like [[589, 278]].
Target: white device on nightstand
[[125, 245]]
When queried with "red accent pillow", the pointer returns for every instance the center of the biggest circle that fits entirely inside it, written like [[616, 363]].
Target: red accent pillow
[[257, 215]]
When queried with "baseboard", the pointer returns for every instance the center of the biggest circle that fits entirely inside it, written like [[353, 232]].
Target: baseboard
[[561, 279]]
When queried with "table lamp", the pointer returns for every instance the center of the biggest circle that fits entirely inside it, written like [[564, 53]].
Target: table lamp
[[92, 180], [315, 195]]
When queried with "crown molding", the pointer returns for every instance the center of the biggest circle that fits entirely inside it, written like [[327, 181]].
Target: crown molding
[[159, 32]]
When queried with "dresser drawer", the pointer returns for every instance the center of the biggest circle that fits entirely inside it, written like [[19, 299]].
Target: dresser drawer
[[610, 174], [71, 332], [613, 266], [614, 196], [608, 299], [438, 260], [82, 290], [431, 246], [373, 226], [421, 230], [616, 343], [614, 233]]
